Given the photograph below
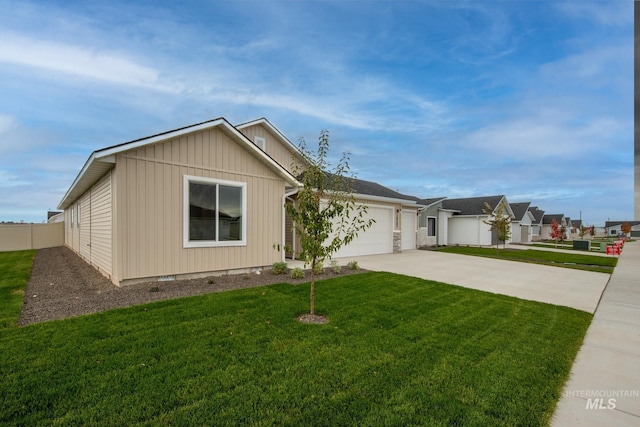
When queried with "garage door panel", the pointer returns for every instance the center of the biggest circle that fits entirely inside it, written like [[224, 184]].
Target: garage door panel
[[378, 239], [409, 227]]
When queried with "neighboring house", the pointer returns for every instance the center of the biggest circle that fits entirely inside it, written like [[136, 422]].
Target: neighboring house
[[521, 223], [465, 220], [614, 228], [547, 220], [53, 216], [190, 202], [429, 222], [536, 223]]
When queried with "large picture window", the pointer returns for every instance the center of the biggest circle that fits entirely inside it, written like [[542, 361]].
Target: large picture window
[[214, 212]]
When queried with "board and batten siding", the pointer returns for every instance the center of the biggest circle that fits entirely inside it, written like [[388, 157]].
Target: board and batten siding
[[92, 238], [149, 208], [273, 147]]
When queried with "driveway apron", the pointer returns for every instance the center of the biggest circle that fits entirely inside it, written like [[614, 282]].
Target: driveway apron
[[554, 285]]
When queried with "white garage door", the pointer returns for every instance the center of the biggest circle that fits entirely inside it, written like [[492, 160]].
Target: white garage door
[[378, 239], [409, 228]]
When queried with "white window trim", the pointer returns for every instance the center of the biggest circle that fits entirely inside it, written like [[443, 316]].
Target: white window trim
[[78, 215], [185, 213]]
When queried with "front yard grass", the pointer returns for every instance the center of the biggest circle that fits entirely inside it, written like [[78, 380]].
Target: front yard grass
[[15, 268], [397, 351], [586, 262]]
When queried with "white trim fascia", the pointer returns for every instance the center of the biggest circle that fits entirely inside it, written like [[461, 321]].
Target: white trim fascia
[[107, 155], [272, 128]]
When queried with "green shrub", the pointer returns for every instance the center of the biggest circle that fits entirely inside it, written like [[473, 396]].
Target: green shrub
[[297, 273], [211, 282], [154, 289], [335, 267], [319, 268], [279, 268], [353, 265]]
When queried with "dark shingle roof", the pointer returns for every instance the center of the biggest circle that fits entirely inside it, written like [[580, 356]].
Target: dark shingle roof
[[538, 214], [548, 219], [519, 209], [371, 188], [429, 202], [471, 205]]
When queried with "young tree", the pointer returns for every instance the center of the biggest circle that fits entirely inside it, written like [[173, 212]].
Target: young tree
[[592, 230], [325, 213], [557, 232], [583, 231], [625, 228], [500, 223]]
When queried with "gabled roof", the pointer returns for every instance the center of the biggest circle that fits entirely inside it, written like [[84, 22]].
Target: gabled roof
[[519, 210], [430, 202], [548, 219], [472, 205], [370, 188], [101, 161], [577, 223], [373, 191], [266, 123], [538, 214]]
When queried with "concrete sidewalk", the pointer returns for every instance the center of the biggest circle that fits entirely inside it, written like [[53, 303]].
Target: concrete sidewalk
[[607, 367], [554, 285]]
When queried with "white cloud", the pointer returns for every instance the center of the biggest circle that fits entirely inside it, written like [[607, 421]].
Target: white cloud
[[106, 66]]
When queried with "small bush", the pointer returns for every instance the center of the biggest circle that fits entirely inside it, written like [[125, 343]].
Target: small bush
[[297, 273], [353, 265], [319, 268], [154, 289], [279, 268], [335, 267], [211, 282]]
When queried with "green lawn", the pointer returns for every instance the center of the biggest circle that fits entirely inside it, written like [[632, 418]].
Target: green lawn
[[578, 261], [14, 273], [397, 351]]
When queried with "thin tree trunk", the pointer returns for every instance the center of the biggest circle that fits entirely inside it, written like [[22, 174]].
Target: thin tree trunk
[[312, 292]]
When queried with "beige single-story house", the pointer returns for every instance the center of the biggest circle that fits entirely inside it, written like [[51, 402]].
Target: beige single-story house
[[205, 199], [185, 203]]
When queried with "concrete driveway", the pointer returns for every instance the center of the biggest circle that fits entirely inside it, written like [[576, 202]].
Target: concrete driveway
[[554, 285]]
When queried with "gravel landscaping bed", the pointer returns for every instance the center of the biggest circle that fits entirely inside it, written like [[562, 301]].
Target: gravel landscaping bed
[[63, 285]]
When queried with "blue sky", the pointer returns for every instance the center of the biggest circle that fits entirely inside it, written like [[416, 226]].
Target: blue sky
[[531, 99]]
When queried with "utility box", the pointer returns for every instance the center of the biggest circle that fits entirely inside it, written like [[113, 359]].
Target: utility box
[[582, 245]]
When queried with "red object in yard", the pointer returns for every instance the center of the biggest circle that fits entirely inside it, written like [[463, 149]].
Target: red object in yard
[[613, 250]]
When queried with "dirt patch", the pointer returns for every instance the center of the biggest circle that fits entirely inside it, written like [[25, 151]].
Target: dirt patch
[[63, 285], [313, 319]]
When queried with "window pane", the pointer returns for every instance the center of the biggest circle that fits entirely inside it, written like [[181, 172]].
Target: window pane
[[431, 231], [202, 211], [230, 217]]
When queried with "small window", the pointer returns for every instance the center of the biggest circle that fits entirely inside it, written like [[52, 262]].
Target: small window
[[431, 227], [78, 214], [71, 218], [214, 212], [260, 142]]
